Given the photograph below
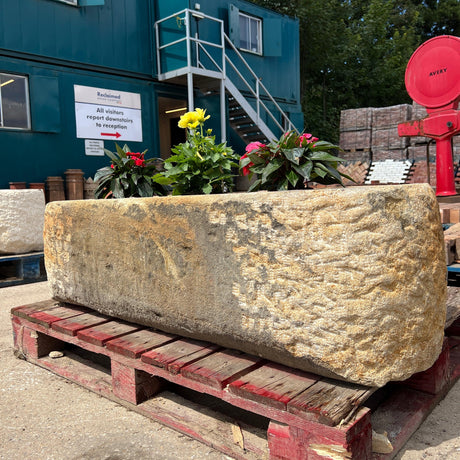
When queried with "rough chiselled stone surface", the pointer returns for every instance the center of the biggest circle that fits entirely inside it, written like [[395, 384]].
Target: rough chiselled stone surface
[[21, 221], [348, 283]]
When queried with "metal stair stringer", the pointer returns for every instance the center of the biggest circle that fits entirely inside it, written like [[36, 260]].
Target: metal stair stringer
[[265, 132]]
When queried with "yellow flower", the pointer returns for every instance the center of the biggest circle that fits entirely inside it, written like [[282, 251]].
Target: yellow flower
[[201, 115], [189, 120]]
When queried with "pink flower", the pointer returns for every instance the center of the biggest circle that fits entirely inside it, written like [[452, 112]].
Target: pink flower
[[254, 146], [246, 169], [112, 166]]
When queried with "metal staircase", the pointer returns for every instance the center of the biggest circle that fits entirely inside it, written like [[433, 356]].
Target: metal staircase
[[184, 57]]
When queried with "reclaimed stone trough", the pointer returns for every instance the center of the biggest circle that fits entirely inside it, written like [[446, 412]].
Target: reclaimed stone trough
[[347, 283]]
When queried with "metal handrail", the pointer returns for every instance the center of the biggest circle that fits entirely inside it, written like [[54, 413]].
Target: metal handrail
[[258, 84], [224, 39]]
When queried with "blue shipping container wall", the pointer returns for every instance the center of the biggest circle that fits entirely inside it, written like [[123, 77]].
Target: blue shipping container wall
[[108, 47]]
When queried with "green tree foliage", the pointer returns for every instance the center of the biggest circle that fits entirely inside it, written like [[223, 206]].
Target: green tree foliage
[[354, 53]]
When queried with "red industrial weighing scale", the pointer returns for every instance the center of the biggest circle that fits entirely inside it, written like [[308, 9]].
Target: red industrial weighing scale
[[433, 80]]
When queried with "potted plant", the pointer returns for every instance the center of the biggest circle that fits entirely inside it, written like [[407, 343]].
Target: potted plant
[[291, 163], [199, 165], [129, 175]]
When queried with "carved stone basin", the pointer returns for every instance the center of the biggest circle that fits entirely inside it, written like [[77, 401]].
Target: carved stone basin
[[347, 283]]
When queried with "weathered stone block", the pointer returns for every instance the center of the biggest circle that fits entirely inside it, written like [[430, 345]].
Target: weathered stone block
[[21, 221], [348, 283]]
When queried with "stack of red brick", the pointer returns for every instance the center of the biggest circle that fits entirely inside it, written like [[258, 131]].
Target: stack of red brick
[[371, 134]]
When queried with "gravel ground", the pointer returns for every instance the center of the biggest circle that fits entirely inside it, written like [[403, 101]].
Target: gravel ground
[[45, 417]]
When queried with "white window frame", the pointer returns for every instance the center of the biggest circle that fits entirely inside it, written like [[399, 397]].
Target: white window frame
[[69, 2], [259, 29], [26, 95]]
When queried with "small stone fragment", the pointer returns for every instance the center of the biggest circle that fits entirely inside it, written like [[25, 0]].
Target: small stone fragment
[[380, 443], [56, 354]]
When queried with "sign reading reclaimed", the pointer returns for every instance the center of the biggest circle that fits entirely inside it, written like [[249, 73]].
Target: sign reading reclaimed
[[108, 114]]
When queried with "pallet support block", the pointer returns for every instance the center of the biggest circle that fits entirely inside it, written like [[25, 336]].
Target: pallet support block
[[434, 379], [351, 442], [30, 343], [133, 385]]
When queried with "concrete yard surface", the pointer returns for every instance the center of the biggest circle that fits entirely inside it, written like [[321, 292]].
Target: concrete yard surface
[[45, 417]]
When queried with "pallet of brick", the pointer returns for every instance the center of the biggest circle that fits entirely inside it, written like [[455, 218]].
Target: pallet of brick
[[389, 154], [388, 138], [419, 173], [418, 112], [389, 117], [388, 172], [357, 171], [418, 152], [355, 140], [353, 155], [356, 119]]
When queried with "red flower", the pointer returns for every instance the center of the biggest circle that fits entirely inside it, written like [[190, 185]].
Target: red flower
[[246, 169], [139, 162], [112, 166], [134, 154], [306, 138]]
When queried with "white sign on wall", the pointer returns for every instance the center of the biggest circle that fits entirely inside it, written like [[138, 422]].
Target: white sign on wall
[[94, 147], [108, 114]]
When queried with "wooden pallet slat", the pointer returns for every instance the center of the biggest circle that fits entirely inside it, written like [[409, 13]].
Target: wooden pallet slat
[[272, 384], [328, 400], [135, 344], [48, 316], [220, 368], [72, 325], [23, 311], [175, 355], [99, 335]]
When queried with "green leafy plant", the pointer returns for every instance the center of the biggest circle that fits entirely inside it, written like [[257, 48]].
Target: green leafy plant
[[129, 175], [199, 165], [291, 162]]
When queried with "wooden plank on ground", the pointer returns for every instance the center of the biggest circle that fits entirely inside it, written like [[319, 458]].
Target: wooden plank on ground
[[48, 316], [175, 355], [133, 345], [272, 384], [328, 401], [220, 368], [99, 335], [23, 311], [72, 325]]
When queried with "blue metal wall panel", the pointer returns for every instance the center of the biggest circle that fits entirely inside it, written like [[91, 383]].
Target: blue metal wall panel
[[116, 35], [32, 156], [279, 65]]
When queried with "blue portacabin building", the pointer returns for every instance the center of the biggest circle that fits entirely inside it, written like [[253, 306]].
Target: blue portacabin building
[[76, 76]]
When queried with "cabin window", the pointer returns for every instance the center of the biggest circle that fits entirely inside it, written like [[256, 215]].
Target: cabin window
[[250, 33], [14, 101]]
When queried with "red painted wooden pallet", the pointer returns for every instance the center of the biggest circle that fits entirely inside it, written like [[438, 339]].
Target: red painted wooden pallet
[[307, 416]]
